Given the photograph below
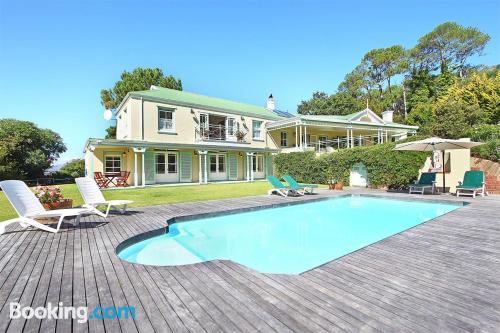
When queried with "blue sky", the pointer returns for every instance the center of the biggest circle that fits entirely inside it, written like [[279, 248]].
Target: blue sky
[[55, 56]]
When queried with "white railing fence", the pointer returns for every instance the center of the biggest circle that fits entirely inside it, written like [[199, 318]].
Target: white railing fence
[[343, 142], [219, 132]]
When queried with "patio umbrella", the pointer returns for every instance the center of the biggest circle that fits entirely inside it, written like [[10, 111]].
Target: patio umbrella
[[434, 143]]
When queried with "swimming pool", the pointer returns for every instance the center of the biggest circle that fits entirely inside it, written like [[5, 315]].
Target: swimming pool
[[289, 239]]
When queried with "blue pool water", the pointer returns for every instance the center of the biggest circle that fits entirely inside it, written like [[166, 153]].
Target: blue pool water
[[289, 239]]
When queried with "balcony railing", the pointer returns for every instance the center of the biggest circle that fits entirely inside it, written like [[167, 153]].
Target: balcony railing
[[322, 146], [219, 133]]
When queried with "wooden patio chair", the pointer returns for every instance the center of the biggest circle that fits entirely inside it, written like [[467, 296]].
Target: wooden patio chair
[[101, 180], [122, 179]]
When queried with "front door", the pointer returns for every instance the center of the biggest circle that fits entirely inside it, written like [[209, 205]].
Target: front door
[[218, 167], [258, 166], [167, 168]]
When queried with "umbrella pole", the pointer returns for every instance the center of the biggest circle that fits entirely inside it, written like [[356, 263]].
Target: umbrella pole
[[444, 174]]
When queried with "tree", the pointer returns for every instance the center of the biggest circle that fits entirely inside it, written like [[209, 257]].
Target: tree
[[137, 80], [384, 63], [356, 83], [26, 151], [110, 132], [454, 118], [449, 45], [74, 168], [341, 103], [480, 91]]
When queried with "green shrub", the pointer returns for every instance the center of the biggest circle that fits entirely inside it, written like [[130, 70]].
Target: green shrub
[[490, 135], [386, 167]]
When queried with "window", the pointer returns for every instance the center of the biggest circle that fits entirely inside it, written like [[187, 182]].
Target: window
[[166, 120], [231, 126], [213, 163], [222, 163], [113, 164], [160, 164], [172, 163], [256, 132], [284, 139], [258, 163], [217, 163]]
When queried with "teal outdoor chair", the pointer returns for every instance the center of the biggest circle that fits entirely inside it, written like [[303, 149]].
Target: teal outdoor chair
[[279, 188], [473, 184], [427, 180], [309, 188]]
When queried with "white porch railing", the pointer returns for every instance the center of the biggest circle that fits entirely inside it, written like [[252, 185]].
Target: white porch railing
[[218, 133], [322, 146]]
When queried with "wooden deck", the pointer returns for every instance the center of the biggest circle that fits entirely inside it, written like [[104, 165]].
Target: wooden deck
[[441, 276]]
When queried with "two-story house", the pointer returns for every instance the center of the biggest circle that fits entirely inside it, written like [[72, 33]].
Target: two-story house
[[170, 136]]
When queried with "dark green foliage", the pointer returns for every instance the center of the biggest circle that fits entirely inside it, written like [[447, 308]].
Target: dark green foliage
[[137, 80], [321, 103], [110, 132], [386, 167], [26, 151], [303, 166], [73, 169], [490, 135]]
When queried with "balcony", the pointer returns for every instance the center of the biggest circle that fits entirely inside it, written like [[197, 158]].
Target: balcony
[[327, 146], [221, 133]]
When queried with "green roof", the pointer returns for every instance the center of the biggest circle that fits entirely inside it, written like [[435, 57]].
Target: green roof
[[177, 97]]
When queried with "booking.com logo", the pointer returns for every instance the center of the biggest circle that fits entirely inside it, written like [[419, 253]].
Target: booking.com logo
[[80, 313]]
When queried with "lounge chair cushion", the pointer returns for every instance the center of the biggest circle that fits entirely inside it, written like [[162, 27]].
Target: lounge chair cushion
[[426, 180], [294, 184], [472, 180]]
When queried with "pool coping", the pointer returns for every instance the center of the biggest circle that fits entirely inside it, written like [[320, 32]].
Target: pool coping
[[191, 217]]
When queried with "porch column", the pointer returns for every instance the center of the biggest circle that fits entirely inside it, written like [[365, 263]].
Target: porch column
[[305, 136], [296, 137], [352, 139], [348, 137], [300, 137], [202, 172], [206, 166], [386, 137], [199, 167], [143, 184], [136, 176], [137, 151], [360, 140], [378, 136], [249, 167], [92, 157]]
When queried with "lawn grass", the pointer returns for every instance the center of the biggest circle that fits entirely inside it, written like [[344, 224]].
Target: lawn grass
[[151, 196]]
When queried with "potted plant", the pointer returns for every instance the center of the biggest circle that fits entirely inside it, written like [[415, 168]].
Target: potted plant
[[51, 197], [240, 135], [339, 185]]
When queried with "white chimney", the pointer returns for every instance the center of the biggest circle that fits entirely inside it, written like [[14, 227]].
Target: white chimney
[[387, 116], [270, 103]]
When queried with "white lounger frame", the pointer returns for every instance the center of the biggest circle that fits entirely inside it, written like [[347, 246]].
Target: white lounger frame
[[29, 208], [93, 197]]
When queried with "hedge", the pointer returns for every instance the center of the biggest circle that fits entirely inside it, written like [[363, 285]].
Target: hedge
[[386, 167]]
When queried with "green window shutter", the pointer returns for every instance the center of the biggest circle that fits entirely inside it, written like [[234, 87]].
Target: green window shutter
[[232, 161], [186, 169], [149, 166], [269, 165]]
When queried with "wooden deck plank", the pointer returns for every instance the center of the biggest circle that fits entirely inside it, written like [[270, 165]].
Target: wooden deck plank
[[28, 271], [438, 276]]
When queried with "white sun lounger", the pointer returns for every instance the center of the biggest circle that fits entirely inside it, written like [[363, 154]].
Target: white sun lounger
[[93, 197], [29, 208]]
